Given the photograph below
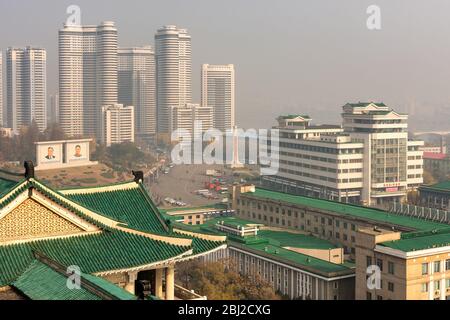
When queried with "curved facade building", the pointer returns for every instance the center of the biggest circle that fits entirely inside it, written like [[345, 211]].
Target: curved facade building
[[173, 72], [87, 76]]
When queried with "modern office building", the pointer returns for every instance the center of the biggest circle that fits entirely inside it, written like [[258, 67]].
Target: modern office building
[[186, 116], [173, 73], [117, 124], [217, 92], [87, 76], [137, 87], [26, 87], [412, 254], [367, 160]]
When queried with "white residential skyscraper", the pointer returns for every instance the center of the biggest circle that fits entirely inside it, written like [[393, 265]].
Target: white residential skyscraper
[[173, 72], [26, 87], [117, 124], [87, 76], [218, 93], [137, 87], [1, 91]]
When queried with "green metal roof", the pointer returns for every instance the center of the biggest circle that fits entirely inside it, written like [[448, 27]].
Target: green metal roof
[[420, 242], [312, 263], [349, 210], [288, 239], [441, 186]]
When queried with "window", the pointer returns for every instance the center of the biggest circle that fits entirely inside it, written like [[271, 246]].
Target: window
[[379, 298], [424, 268], [391, 286], [337, 223], [447, 283], [437, 266], [391, 267], [369, 260], [447, 264], [380, 264], [437, 285], [368, 296], [424, 287]]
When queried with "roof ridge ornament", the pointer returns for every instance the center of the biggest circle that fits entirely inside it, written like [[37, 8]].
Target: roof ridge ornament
[[29, 169], [138, 176]]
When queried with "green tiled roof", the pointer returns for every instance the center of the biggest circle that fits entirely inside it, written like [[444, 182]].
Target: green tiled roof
[[293, 116], [288, 239], [109, 250], [129, 206], [6, 185], [355, 211], [41, 282]]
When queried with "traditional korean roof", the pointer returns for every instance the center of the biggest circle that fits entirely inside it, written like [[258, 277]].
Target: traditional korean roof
[[40, 281], [103, 230]]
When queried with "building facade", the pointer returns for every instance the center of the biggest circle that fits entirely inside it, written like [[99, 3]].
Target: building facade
[[436, 196], [2, 117], [173, 72], [217, 92], [367, 160], [117, 124], [191, 114], [26, 87], [137, 87], [87, 76], [409, 255]]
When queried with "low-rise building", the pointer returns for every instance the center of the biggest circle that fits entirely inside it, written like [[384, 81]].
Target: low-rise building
[[412, 254], [294, 264], [436, 196]]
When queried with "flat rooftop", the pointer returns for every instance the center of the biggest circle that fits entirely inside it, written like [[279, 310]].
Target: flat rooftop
[[349, 210], [271, 243]]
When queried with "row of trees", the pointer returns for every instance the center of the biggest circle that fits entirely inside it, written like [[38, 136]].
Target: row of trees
[[220, 281], [21, 147]]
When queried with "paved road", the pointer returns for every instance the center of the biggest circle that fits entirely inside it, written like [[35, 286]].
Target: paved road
[[181, 183]]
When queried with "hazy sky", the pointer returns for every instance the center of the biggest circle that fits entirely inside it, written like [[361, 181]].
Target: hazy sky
[[290, 56]]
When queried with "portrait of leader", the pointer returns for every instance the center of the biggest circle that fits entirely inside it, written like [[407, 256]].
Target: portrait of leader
[[77, 153], [50, 153]]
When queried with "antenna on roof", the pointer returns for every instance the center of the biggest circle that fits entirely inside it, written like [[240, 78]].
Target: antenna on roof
[[29, 169]]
